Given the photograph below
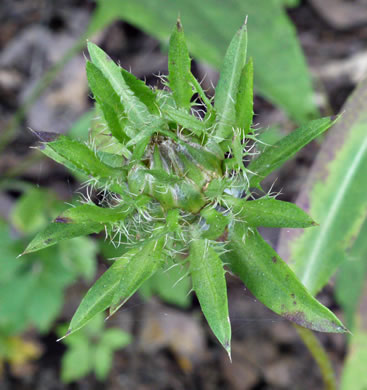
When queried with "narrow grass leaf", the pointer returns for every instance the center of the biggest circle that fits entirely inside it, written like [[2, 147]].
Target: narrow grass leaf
[[209, 283], [179, 68], [334, 195], [273, 283], [276, 155], [351, 277]]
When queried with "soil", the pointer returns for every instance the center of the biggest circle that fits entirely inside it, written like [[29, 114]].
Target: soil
[[267, 352]]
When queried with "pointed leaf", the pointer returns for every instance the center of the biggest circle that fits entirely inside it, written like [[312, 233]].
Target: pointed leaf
[[273, 283], [187, 121], [120, 281], [209, 283], [109, 102], [276, 155], [137, 112], [141, 91], [245, 98], [228, 84], [79, 158], [281, 70], [179, 68], [269, 212], [60, 231]]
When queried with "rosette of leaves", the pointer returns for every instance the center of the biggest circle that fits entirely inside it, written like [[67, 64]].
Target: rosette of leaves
[[175, 173]]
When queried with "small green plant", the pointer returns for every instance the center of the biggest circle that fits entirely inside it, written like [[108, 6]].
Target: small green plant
[[177, 178], [91, 350]]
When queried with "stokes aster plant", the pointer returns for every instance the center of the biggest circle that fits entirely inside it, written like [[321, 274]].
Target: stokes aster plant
[[175, 176]]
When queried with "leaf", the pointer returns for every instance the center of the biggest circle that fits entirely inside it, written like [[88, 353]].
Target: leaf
[[81, 221], [244, 100], [216, 221], [353, 376], [351, 277], [59, 231], [229, 80], [354, 372], [115, 338], [28, 215], [120, 281], [334, 195], [79, 158], [209, 283], [273, 283], [137, 112], [277, 154], [186, 120], [109, 102], [284, 79], [76, 362], [141, 91], [179, 68], [103, 361], [269, 212]]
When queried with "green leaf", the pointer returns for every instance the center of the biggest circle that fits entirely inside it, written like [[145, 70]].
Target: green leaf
[[216, 221], [103, 361], [351, 277], [179, 68], [136, 111], [76, 363], [187, 121], [244, 101], [81, 221], [119, 282], [60, 231], [141, 91], [281, 71], [354, 372], [115, 338], [137, 270], [273, 283], [228, 85], [29, 214], [79, 158], [276, 155], [334, 195], [109, 102], [209, 283], [269, 212]]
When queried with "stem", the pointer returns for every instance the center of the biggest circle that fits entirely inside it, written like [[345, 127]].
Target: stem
[[319, 354]]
